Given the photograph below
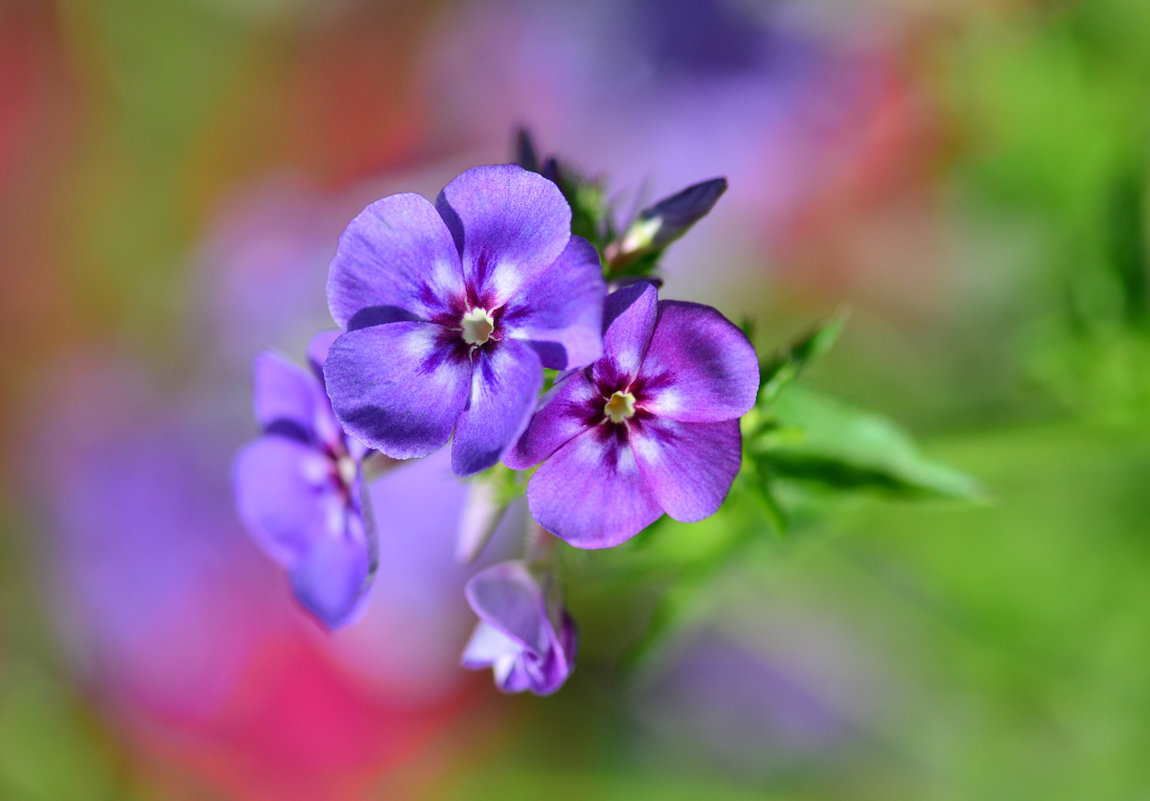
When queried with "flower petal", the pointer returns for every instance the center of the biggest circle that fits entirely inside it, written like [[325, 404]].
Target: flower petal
[[317, 350], [395, 261], [285, 397], [560, 313], [573, 405], [699, 366], [507, 597], [591, 493], [549, 674], [504, 385], [280, 493], [487, 646], [628, 320], [508, 224], [398, 387], [331, 581], [688, 466]]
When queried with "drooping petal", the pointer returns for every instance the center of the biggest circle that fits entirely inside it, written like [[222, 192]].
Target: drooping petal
[[280, 493], [688, 467], [699, 366], [628, 320], [573, 405], [285, 396], [504, 385], [549, 674], [331, 580], [398, 387], [560, 313], [507, 597], [591, 493], [508, 225], [395, 261]]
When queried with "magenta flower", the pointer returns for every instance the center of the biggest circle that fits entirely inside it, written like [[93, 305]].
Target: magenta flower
[[524, 634], [299, 489], [651, 427], [453, 310]]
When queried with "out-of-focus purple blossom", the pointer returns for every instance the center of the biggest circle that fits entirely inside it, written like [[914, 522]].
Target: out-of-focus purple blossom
[[659, 95], [453, 310], [299, 489], [794, 685], [651, 427], [261, 270], [161, 600], [524, 634]]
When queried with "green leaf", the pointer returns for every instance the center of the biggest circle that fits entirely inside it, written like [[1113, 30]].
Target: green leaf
[[792, 359], [847, 449]]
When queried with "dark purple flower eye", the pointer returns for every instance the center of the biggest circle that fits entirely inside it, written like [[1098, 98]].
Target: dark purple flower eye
[[299, 489], [651, 427], [453, 310], [524, 635]]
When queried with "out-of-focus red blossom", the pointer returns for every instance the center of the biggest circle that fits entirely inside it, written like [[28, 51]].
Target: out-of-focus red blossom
[[296, 729]]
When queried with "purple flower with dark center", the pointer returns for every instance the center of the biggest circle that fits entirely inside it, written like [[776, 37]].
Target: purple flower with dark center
[[524, 634], [651, 427], [453, 310], [299, 489]]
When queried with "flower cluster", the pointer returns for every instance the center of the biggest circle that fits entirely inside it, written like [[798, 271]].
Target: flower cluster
[[452, 317]]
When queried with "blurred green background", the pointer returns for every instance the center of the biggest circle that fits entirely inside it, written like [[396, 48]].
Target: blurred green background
[[969, 176]]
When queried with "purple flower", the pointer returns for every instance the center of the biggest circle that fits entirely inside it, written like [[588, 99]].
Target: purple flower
[[299, 489], [524, 634], [453, 310], [651, 427]]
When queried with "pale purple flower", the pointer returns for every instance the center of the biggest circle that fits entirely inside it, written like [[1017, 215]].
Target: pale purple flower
[[524, 634], [299, 489], [651, 427], [453, 310]]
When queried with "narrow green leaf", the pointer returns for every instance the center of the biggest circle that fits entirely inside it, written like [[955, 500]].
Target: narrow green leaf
[[792, 359]]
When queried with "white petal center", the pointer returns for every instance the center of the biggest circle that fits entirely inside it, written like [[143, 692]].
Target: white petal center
[[477, 326]]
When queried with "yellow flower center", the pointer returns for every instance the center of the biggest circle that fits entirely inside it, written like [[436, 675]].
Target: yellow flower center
[[620, 407], [477, 326]]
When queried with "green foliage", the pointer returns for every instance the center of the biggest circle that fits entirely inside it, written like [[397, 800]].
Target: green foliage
[[837, 447]]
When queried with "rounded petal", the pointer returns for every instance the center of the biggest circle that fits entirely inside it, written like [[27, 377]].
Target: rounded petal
[[689, 467], [280, 496], [395, 261], [508, 224], [285, 396], [397, 387], [628, 320], [560, 313], [591, 493], [573, 405], [332, 580], [699, 366], [504, 384], [508, 598]]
